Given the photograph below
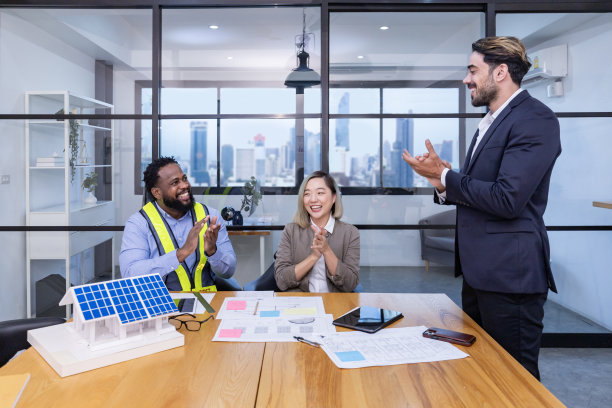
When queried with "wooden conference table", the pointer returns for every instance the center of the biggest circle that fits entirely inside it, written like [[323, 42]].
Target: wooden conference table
[[210, 374]]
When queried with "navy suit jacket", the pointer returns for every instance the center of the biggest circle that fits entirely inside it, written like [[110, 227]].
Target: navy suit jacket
[[501, 195]]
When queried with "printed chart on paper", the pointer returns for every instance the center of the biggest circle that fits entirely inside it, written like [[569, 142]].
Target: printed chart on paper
[[273, 329], [267, 307]]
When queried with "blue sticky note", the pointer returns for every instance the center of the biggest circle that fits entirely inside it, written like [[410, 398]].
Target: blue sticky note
[[346, 356], [269, 313]]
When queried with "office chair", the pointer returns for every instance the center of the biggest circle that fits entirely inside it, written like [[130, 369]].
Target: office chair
[[14, 334], [268, 282], [223, 284], [438, 245], [265, 281]]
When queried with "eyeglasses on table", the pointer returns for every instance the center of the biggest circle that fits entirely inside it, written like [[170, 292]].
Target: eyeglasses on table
[[189, 321]]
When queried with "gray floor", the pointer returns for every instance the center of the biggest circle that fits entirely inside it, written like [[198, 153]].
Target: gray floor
[[557, 319], [580, 378]]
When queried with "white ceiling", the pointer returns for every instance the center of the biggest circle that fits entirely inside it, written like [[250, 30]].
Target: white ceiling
[[262, 39]]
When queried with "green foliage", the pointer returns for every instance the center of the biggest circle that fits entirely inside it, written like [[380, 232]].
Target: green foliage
[[73, 143], [251, 196], [90, 181]]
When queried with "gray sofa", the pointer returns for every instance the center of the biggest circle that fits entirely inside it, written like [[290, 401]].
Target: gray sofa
[[438, 245]]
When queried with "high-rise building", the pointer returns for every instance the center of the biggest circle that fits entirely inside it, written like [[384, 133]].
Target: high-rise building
[[245, 163], [285, 158], [312, 152], [337, 160], [404, 139], [446, 151], [386, 153], [227, 163], [291, 157], [356, 169], [260, 158], [198, 152], [342, 125]]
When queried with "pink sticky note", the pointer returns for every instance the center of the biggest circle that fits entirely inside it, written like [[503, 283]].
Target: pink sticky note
[[236, 304], [234, 333]]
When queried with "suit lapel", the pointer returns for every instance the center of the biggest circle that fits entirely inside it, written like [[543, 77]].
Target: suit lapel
[[487, 136], [469, 153]]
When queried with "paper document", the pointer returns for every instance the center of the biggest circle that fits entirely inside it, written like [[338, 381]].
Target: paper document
[[257, 293], [191, 304], [402, 345], [273, 329], [278, 306]]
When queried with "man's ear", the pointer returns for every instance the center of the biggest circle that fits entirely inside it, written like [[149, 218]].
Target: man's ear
[[501, 72], [156, 192]]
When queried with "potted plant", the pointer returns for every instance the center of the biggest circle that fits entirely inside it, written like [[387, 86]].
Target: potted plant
[[251, 196], [89, 184]]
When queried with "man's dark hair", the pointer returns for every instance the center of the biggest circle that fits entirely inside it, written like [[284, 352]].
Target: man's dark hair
[[504, 50], [151, 173]]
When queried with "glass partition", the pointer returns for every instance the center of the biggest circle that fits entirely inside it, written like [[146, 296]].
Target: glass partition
[[387, 67], [91, 53], [570, 70]]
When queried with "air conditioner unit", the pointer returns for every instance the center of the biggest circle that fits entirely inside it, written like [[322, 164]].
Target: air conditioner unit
[[547, 64]]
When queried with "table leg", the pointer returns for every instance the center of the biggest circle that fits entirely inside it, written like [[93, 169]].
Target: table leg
[[262, 254]]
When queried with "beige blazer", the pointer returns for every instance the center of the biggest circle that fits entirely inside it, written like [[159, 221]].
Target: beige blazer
[[294, 247]]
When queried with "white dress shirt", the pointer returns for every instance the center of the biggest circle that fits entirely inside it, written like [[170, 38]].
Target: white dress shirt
[[318, 277]]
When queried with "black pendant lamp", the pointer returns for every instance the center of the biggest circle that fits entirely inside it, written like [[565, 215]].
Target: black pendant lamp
[[302, 76]]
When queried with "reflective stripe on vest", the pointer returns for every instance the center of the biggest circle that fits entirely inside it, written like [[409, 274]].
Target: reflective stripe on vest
[[167, 243]]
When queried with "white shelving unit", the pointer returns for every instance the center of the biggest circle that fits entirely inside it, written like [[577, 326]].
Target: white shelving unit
[[54, 195]]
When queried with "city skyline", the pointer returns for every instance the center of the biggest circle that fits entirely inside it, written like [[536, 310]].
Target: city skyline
[[354, 155]]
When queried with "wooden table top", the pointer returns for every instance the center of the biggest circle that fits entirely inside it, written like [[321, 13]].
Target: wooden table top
[[603, 204], [249, 232], [298, 375], [200, 374], [206, 373]]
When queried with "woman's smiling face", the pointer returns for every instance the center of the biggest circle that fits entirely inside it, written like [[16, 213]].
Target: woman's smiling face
[[318, 200]]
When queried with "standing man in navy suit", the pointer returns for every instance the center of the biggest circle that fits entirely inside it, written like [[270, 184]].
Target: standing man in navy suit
[[501, 192]]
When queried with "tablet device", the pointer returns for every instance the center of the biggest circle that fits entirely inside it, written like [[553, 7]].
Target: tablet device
[[187, 305], [368, 319]]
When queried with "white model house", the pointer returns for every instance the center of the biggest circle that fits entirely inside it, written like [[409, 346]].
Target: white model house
[[121, 309], [113, 321]]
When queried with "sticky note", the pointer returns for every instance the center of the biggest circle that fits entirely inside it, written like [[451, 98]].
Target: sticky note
[[236, 304], [269, 313], [309, 311], [346, 356], [233, 333]]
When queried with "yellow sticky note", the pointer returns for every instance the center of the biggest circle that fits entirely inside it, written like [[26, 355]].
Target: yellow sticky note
[[309, 311]]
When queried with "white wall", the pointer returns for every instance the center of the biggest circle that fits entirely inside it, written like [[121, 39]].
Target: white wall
[[30, 60]]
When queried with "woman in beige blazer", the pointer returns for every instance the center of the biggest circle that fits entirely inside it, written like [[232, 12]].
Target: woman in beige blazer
[[318, 252]]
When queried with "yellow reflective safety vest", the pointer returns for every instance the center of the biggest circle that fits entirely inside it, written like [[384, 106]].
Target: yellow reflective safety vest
[[197, 279]]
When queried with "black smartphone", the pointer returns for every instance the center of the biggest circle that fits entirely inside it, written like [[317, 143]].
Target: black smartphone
[[450, 336]]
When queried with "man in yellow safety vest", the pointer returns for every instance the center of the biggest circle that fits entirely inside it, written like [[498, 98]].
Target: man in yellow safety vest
[[175, 236]]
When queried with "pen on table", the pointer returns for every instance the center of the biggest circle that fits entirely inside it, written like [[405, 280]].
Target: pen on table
[[303, 340], [256, 306]]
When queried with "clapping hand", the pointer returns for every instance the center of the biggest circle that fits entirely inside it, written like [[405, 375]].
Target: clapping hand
[[210, 236], [191, 243], [319, 242], [429, 165]]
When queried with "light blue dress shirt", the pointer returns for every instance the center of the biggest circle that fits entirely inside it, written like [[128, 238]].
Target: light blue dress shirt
[[140, 256]]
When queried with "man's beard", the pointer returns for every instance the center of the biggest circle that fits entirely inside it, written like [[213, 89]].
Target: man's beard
[[484, 94], [176, 204]]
